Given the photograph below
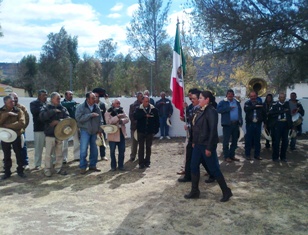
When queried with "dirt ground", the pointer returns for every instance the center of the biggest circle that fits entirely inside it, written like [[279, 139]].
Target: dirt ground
[[269, 198]]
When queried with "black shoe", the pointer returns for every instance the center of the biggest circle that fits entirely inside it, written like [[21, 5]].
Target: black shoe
[[62, 172], [113, 169], [132, 159], [141, 166], [258, 158], [22, 175], [275, 160], [147, 165], [76, 160], [226, 195], [64, 162], [122, 169], [284, 160], [210, 180], [4, 177], [193, 194], [184, 180]]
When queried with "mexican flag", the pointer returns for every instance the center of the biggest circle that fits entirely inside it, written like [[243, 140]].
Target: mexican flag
[[178, 72]]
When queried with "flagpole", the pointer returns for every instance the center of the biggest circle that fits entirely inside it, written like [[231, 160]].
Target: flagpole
[[182, 74]]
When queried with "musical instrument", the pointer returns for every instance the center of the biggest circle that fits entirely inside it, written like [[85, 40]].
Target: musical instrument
[[258, 85], [297, 119]]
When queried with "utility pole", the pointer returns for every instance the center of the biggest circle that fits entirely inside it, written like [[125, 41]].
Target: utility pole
[[71, 74]]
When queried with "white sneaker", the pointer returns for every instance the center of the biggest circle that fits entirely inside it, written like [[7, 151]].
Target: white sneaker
[[161, 137], [168, 137], [26, 168]]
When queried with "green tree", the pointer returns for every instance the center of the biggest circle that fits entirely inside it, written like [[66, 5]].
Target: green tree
[[58, 54], [88, 72], [262, 29], [146, 33], [106, 53], [27, 74]]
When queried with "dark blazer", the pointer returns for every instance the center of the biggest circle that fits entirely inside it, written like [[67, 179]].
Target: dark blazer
[[165, 108], [278, 109], [48, 114], [204, 128], [35, 108], [132, 109], [249, 108], [147, 125]]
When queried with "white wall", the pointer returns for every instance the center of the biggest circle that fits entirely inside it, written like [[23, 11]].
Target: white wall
[[177, 128], [301, 90]]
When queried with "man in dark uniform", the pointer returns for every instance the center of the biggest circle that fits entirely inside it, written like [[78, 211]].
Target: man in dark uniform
[[255, 115], [280, 116]]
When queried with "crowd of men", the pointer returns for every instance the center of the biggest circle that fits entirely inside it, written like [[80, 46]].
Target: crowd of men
[[91, 117], [146, 118]]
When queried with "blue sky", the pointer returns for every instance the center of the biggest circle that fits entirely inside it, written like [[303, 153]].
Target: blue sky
[[26, 23]]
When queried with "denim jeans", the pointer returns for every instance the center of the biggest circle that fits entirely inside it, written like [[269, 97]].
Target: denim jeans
[[233, 132], [253, 136], [121, 149], [85, 140], [212, 162], [164, 128]]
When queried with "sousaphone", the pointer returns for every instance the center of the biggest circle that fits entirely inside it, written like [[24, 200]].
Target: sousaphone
[[258, 85]]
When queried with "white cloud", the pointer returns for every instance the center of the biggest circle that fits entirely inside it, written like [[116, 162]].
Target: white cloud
[[114, 15], [26, 27], [117, 7], [131, 9]]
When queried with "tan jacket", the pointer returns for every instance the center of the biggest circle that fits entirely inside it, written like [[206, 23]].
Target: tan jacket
[[24, 109], [115, 137], [16, 123]]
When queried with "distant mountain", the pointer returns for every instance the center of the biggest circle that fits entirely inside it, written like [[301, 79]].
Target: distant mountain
[[8, 71]]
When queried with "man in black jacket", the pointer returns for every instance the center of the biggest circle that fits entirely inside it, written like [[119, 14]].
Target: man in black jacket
[[147, 126], [38, 127], [133, 124], [165, 110], [280, 116], [255, 115], [51, 115]]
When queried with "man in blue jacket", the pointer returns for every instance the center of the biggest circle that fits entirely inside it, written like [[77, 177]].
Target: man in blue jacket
[[165, 111], [231, 120]]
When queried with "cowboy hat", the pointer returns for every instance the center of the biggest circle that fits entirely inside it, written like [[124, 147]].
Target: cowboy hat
[[109, 129], [266, 134], [7, 135], [100, 141], [136, 135], [242, 134], [100, 91], [65, 129], [168, 122]]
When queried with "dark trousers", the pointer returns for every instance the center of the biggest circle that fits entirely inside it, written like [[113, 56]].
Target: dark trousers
[[211, 162], [102, 149], [146, 139], [189, 151], [24, 152], [6, 148], [252, 138], [232, 131], [280, 132]]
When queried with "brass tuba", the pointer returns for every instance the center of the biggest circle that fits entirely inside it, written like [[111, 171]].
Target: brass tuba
[[258, 85]]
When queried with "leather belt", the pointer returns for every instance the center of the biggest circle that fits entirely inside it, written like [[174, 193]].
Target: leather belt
[[234, 122]]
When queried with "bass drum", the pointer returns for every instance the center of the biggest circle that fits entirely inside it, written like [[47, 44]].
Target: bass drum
[[297, 119]]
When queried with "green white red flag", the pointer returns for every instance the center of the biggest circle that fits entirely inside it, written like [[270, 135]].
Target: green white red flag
[[178, 72]]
